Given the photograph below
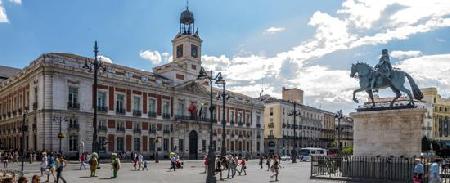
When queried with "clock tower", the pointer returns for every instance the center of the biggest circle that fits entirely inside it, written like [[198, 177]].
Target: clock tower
[[186, 51]]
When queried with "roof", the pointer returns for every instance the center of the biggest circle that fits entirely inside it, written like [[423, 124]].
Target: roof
[[7, 72]]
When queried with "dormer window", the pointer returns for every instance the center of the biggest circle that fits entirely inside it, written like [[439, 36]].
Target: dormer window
[[180, 51], [194, 51]]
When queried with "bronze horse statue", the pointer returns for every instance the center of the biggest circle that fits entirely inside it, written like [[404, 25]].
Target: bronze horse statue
[[396, 82]]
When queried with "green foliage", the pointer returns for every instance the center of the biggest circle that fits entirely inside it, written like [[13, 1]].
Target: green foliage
[[347, 150]]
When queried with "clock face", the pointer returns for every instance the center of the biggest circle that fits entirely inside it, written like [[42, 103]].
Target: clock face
[[179, 51], [194, 51]]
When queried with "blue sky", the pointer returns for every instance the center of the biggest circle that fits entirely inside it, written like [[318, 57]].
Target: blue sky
[[262, 44]]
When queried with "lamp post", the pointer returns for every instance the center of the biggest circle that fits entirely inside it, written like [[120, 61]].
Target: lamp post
[[23, 129], [211, 175], [224, 97], [339, 116], [60, 134], [96, 65], [294, 113]]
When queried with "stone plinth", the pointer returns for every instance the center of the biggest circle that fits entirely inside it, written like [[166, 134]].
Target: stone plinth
[[388, 132]]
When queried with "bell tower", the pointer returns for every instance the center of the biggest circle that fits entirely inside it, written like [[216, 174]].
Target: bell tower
[[187, 44]]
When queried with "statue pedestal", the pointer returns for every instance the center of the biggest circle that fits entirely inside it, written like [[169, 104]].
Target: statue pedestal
[[388, 132]]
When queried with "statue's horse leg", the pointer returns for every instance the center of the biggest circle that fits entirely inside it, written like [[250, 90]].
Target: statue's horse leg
[[399, 83], [397, 95], [411, 99], [356, 91], [370, 92]]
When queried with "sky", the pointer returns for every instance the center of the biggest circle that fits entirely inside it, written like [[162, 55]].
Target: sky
[[258, 45]]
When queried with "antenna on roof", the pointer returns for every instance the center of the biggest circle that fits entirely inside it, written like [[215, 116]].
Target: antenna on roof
[[187, 4]]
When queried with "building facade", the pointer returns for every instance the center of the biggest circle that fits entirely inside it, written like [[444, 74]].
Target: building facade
[[313, 127], [439, 113], [138, 111], [346, 132]]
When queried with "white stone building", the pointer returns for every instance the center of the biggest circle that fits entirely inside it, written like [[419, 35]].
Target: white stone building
[[164, 110]]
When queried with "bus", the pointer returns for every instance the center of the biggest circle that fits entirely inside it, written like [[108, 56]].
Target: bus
[[306, 153]]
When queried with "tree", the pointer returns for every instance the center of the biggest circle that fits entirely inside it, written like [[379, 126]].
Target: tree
[[347, 150]]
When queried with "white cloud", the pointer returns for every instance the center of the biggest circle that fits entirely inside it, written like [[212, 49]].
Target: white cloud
[[152, 56], [19, 2], [3, 17], [273, 30], [401, 55], [104, 59]]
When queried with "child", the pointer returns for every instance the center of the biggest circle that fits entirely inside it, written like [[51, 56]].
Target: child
[[145, 165]]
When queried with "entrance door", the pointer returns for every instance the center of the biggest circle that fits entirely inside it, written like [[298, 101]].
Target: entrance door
[[193, 145]]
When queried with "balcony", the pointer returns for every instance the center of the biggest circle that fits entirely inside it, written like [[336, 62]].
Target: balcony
[[240, 124], [73, 105], [137, 113], [120, 129], [270, 136], [183, 117], [240, 136], [166, 116], [74, 127], [35, 105], [120, 111], [231, 122], [102, 109], [103, 129], [14, 113], [166, 131], [248, 124], [151, 114], [271, 125], [9, 114], [258, 136], [137, 131], [258, 125], [150, 131]]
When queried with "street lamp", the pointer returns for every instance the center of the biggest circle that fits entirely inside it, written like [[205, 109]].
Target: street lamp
[[96, 65], [23, 129], [339, 116], [60, 134], [211, 175], [294, 113], [224, 96]]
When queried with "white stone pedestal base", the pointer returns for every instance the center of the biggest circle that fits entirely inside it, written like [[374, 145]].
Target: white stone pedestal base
[[388, 133]]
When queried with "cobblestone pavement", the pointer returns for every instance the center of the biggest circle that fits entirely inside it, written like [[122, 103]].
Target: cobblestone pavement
[[191, 173]]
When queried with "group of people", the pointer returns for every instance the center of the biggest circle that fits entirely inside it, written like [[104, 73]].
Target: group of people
[[433, 173], [232, 164], [273, 165]]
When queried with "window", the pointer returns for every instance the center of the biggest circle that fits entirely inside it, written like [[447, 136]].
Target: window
[[239, 117], [151, 105], [258, 119], [166, 107], [179, 51], [73, 143], [166, 145], [73, 95], [180, 110], [136, 103], [137, 144], [120, 102], [231, 116], [137, 125], [194, 51], [151, 145], [179, 76], [258, 146], [194, 67], [203, 145], [101, 99], [271, 111], [102, 143], [120, 125], [181, 145]]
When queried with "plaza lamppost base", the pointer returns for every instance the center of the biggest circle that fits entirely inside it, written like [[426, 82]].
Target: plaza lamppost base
[[294, 156]]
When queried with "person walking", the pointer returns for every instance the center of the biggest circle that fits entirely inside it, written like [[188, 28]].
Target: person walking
[[51, 167], [145, 165], [82, 160], [173, 161], [418, 171], [115, 164], [5, 160], [261, 159], [435, 176], [141, 162], [61, 163], [205, 163], [44, 163], [275, 168], [268, 163], [243, 166], [232, 168]]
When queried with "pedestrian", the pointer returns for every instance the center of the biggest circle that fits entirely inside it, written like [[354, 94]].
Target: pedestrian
[[22, 180], [61, 163], [30, 155], [5, 161], [205, 163], [141, 161], [232, 167], [145, 165], [135, 160], [115, 164], [82, 160], [435, 176], [173, 161], [51, 167], [243, 166], [418, 171], [36, 179], [93, 163], [275, 168], [261, 159], [268, 163], [44, 163]]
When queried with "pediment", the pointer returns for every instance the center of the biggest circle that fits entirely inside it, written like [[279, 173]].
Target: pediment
[[193, 87]]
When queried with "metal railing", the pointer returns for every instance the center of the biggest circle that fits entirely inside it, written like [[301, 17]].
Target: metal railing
[[166, 116], [137, 113], [102, 109], [74, 126], [122, 130], [103, 129], [120, 111], [151, 114], [137, 130], [73, 105], [371, 169]]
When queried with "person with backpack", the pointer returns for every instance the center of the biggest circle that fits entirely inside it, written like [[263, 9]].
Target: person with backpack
[[115, 164], [51, 167], [61, 163]]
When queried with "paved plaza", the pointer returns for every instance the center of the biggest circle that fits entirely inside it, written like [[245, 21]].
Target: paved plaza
[[192, 173]]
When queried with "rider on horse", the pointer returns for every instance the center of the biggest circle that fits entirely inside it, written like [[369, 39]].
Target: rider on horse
[[383, 68]]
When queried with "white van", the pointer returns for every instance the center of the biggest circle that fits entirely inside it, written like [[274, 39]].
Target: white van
[[306, 153]]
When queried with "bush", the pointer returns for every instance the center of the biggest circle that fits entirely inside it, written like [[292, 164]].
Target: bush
[[347, 150]]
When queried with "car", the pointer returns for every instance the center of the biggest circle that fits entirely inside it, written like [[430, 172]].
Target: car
[[285, 158]]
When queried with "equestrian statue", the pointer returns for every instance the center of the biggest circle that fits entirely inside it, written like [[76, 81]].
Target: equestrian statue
[[383, 76]]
